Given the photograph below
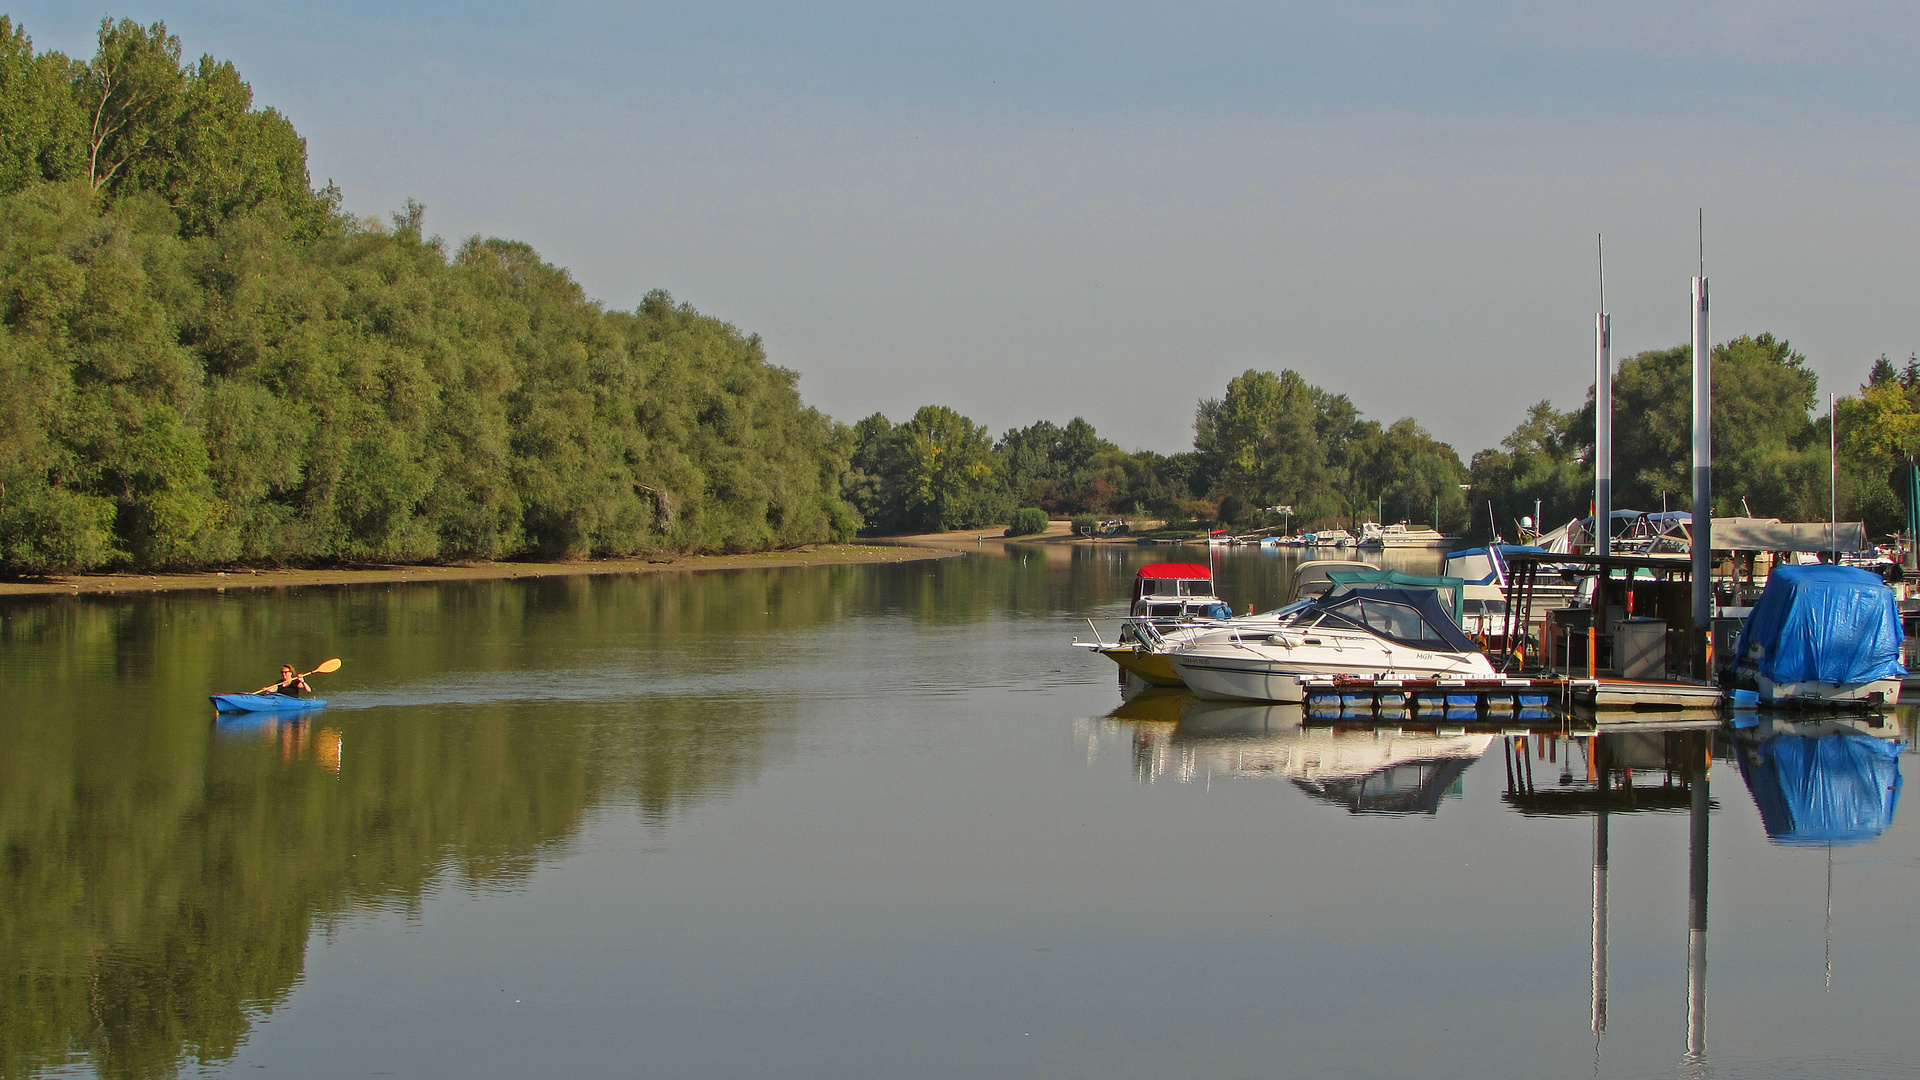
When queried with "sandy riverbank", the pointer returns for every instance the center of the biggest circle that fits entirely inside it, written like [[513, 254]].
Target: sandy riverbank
[[1058, 532], [902, 550]]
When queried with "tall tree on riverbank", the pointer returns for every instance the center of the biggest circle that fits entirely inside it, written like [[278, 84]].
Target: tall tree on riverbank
[[202, 361], [936, 472], [1274, 439]]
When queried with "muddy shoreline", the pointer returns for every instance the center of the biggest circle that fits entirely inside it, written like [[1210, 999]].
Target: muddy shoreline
[[223, 580]]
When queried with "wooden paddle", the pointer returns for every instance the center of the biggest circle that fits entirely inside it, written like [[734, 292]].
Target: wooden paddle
[[325, 667]]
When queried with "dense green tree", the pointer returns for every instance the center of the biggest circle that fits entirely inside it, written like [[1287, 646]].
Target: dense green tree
[[204, 362], [41, 124], [1762, 391], [936, 472], [1770, 454], [1260, 440], [1413, 476]]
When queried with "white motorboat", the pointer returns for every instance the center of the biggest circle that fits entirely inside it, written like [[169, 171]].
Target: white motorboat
[[1370, 771], [1375, 535], [1370, 633]]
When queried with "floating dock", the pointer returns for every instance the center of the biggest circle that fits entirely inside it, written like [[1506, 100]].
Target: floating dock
[[1632, 693], [1457, 699], [1490, 698]]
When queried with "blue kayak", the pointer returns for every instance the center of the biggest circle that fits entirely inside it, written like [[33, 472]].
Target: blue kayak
[[265, 703]]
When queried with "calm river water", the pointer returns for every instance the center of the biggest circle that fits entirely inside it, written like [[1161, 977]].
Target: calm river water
[[880, 821]]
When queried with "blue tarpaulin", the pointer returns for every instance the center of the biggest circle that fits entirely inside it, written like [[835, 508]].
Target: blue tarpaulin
[[1834, 624], [1834, 789]]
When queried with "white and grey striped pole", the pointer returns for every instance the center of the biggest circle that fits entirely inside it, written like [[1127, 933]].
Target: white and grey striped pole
[[1602, 416], [1702, 525]]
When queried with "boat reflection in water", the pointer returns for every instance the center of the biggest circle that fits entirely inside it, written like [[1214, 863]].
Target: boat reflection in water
[[297, 737], [1825, 782], [1378, 770]]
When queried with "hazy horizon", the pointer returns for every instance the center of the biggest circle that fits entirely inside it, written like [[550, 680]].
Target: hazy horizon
[[1032, 212]]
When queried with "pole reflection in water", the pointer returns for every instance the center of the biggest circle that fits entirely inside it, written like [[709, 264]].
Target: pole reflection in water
[[1678, 752], [1599, 930], [1702, 757]]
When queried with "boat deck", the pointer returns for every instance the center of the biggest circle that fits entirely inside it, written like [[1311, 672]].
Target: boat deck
[[1629, 693]]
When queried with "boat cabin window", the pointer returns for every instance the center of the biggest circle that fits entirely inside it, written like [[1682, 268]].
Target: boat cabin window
[[1390, 619], [1395, 621]]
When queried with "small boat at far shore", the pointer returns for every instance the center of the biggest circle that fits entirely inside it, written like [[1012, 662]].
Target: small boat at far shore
[[254, 703], [1379, 537]]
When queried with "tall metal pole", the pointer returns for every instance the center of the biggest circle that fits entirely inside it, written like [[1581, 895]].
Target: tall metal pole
[[1702, 526], [1602, 419], [1833, 477]]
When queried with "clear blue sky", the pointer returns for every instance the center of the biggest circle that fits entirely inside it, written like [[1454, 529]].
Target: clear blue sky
[[1038, 210]]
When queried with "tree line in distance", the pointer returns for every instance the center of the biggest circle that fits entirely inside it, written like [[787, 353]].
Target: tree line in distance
[[204, 361]]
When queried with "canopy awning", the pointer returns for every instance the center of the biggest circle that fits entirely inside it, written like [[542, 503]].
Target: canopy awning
[[1174, 570], [1449, 589], [1772, 534]]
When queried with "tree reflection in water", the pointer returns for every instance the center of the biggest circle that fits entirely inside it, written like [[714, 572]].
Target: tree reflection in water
[[163, 870]]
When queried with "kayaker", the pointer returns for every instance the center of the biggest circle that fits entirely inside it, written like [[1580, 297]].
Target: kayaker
[[290, 684]]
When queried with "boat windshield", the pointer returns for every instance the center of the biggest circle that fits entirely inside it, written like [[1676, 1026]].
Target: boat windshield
[[1409, 618]]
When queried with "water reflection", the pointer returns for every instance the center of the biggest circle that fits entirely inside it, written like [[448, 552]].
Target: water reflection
[[1659, 766], [854, 750], [163, 869], [1822, 782], [1370, 770], [297, 738]]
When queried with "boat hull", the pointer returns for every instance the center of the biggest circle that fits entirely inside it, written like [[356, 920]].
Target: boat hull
[[1244, 675], [1151, 668], [1829, 695], [252, 703], [1235, 678], [1231, 679]]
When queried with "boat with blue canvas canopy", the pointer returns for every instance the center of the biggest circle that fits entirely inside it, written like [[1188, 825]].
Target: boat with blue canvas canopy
[[1450, 590], [1823, 635]]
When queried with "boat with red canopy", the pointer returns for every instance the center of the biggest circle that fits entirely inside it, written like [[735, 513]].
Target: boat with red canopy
[[1165, 596], [1176, 591]]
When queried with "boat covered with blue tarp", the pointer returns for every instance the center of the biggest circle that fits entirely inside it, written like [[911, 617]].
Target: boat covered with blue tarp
[[1838, 788], [1824, 634]]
